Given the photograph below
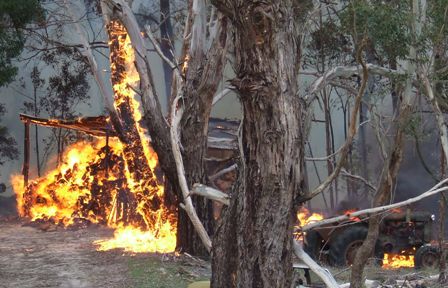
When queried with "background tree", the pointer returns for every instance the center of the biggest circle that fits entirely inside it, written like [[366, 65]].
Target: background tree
[[14, 17], [67, 88], [32, 106]]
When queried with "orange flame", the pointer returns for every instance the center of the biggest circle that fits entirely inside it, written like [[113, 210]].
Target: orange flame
[[77, 190], [401, 260], [304, 216], [353, 218], [185, 64]]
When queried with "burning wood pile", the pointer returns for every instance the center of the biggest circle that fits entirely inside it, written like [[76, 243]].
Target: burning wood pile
[[403, 239], [110, 180]]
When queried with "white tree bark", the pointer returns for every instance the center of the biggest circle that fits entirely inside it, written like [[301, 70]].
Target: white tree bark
[[437, 111], [346, 72], [105, 90], [321, 272], [188, 204], [210, 193]]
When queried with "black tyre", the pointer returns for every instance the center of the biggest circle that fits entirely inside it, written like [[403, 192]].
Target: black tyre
[[312, 244], [344, 246], [427, 257]]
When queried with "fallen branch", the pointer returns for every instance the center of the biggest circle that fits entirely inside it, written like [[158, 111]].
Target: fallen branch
[[210, 193], [321, 272], [368, 284], [434, 190]]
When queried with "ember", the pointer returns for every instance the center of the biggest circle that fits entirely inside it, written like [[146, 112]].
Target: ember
[[106, 181], [349, 212]]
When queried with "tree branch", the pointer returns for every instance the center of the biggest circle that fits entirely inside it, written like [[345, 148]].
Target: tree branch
[[210, 193], [434, 190], [176, 115], [321, 272], [345, 149], [345, 72]]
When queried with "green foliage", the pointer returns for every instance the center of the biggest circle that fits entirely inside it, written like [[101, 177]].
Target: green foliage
[[327, 41], [438, 21], [15, 14], [8, 148], [384, 22]]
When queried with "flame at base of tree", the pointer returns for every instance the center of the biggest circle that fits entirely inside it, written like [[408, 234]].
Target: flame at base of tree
[[94, 184]]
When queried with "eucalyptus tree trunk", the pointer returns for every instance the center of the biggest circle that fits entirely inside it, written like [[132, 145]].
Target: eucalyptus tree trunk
[[252, 246], [201, 82], [382, 197], [393, 162]]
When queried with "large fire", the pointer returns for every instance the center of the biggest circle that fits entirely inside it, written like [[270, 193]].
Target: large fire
[[93, 185], [109, 182]]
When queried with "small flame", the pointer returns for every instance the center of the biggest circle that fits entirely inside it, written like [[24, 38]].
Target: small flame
[[353, 218], [401, 260], [185, 65], [304, 216]]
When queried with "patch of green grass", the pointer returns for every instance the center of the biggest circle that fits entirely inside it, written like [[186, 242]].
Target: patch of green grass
[[149, 272]]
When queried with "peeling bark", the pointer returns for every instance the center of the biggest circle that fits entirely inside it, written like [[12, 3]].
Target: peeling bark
[[253, 243]]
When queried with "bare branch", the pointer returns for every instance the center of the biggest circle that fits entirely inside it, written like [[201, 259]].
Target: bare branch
[[221, 94], [325, 158], [357, 177], [210, 193], [352, 129], [157, 47], [321, 272], [223, 171], [188, 204], [345, 72]]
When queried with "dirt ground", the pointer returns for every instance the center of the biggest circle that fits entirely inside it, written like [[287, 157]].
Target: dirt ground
[[30, 257]]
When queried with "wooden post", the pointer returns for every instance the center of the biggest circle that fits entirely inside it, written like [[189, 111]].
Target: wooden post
[[26, 159], [107, 152]]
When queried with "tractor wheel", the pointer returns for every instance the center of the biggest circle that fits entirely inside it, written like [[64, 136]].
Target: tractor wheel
[[312, 244], [426, 257], [344, 246]]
